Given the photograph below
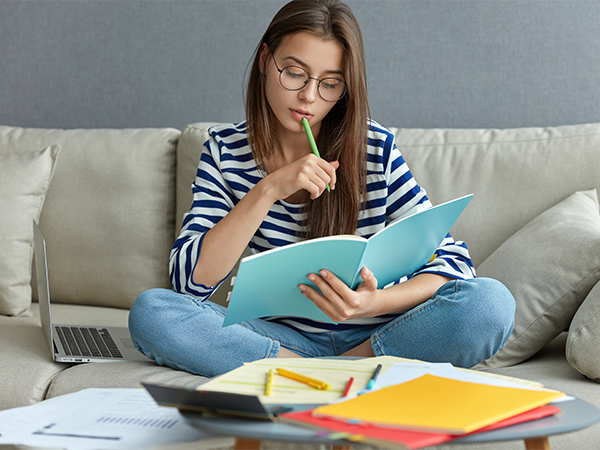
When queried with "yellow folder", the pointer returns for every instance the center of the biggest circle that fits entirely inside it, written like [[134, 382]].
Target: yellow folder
[[436, 404]]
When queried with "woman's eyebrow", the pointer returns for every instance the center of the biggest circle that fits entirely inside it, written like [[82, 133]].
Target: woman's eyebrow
[[303, 64]]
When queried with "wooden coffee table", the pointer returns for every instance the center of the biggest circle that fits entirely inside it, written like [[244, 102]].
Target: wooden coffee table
[[575, 415]]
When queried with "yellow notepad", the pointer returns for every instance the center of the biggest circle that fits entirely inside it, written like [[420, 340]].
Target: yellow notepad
[[432, 403]]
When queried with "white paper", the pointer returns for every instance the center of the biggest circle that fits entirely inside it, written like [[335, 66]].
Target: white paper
[[99, 419], [403, 372]]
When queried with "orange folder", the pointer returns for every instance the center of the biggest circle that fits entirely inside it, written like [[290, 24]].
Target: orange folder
[[437, 404]]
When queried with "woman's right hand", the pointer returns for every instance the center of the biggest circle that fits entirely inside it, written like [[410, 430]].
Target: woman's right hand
[[309, 173], [225, 242]]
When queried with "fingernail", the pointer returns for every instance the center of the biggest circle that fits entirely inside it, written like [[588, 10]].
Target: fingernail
[[323, 273], [302, 287], [311, 277]]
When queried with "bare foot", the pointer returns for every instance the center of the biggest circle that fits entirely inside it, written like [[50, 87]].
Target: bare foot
[[285, 353], [364, 350]]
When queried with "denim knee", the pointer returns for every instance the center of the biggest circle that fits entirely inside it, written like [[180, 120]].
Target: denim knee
[[465, 322], [144, 311], [497, 310], [492, 316]]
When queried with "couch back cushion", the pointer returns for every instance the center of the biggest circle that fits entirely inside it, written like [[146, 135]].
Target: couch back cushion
[[515, 174], [109, 214]]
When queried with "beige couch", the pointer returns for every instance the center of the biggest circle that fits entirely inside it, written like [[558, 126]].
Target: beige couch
[[110, 203]]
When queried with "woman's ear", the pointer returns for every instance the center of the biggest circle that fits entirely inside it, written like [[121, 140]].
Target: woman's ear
[[263, 54]]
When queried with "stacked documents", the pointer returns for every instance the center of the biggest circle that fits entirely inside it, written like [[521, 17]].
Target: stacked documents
[[415, 405], [411, 405], [396, 437]]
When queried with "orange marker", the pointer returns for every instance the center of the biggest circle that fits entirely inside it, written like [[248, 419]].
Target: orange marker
[[312, 382]]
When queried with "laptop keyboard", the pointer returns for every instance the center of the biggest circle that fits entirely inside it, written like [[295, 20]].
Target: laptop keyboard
[[86, 342]]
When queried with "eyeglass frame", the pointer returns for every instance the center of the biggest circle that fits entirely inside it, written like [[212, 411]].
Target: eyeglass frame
[[308, 80]]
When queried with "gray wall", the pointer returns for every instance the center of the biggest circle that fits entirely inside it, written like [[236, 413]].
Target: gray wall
[[144, 63]]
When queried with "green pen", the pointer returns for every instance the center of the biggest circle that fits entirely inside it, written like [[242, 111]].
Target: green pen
[[311, 141]]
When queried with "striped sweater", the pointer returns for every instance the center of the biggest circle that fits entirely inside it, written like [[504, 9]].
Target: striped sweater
[[227, 171]]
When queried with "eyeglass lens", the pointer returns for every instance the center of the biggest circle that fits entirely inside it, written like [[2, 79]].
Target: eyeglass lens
[[295, 78]]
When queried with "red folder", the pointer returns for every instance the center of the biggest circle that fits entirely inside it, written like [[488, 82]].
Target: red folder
[[371, 434]]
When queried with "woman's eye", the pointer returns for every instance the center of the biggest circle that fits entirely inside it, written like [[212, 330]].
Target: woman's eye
[[330, 83], [295, 73]]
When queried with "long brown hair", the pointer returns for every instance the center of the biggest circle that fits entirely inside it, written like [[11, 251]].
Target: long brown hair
[[343, 134]]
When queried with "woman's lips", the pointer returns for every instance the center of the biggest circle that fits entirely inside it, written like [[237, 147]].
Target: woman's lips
[[299, 114]]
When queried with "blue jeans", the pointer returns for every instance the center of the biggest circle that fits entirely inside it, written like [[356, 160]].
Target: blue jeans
[[465, 322]]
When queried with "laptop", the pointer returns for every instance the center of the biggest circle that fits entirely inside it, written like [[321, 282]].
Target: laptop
[[77, 343]]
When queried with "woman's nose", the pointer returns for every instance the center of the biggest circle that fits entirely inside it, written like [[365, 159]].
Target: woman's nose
[[309, 93]]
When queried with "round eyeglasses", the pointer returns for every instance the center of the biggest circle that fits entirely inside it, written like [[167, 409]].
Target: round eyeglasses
[[294, 78]]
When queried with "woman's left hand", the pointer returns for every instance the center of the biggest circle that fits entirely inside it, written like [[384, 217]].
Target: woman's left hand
[[338, 301]]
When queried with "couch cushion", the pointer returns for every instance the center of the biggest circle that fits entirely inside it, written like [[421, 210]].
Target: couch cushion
[[120, 375], [86, 315], [26, 367], [25, 176], [584, 337], [515, 174], [550, 266], [109, 217]]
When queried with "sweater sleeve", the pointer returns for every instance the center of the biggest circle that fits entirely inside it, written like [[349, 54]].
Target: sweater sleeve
[[406, 197], [212, 200]]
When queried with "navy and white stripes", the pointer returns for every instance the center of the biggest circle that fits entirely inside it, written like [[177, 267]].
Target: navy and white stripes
[[227, 171]]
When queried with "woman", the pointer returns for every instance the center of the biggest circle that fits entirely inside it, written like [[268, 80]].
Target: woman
[[259, 184]]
